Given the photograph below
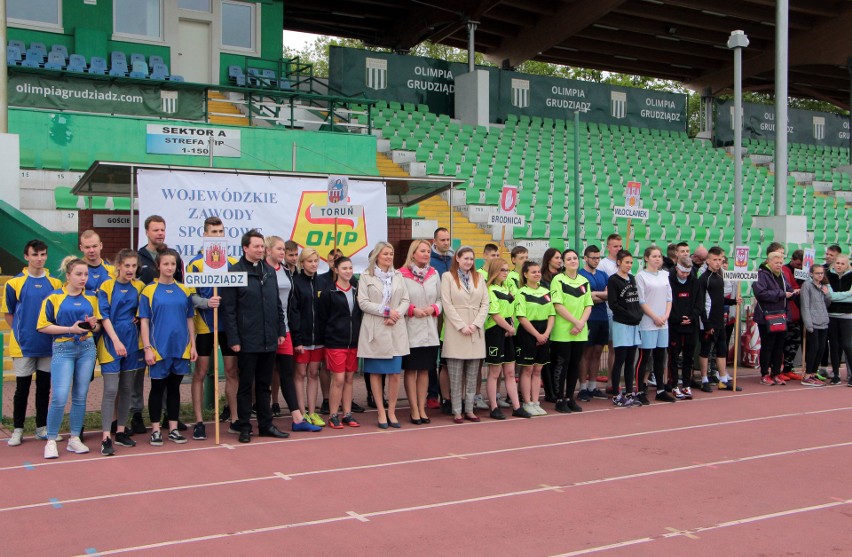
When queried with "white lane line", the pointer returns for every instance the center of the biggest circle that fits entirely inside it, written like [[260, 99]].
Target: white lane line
[[314, 439], [281, 475], [690, 533], [351, 515]]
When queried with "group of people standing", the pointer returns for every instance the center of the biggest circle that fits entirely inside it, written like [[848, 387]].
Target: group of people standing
[[435, 321]]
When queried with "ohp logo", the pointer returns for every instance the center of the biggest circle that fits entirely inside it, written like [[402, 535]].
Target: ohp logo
[[318, 233]]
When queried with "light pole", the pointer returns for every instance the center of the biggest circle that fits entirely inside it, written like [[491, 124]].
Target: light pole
[[738, 41]]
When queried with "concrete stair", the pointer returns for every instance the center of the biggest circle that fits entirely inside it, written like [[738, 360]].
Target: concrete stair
[[222, 111], [465, 233], [389, 168]]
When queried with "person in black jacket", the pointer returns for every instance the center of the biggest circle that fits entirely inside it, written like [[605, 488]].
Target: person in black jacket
[[307, 345], [683, 322], [340, 319], [623, 300], [255, 325], [711, 303]]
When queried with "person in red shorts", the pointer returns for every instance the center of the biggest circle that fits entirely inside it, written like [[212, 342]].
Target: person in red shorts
[[340, 321], [307, 346]]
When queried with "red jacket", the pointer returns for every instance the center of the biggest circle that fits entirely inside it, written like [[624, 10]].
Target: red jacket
[[793, 303]]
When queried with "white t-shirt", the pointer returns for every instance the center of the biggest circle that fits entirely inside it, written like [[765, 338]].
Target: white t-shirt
[[610, 267], [654, 290], [284, 287]]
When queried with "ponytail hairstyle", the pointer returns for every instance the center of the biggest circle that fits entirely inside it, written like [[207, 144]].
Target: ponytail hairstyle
[[124, 254], [166, 253], [69, 263]]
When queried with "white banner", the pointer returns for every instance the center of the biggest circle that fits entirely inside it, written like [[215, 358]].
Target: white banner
[[275, 205]]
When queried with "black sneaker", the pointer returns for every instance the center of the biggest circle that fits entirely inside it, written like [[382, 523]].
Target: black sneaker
[[137, 424], [729, 386], [157, 439], [706, 387], [497, 414], [182, 426], [573, 406], [199, 432], [225, 415], [106, 447], [835, 380], [175, 436], [123, 439], [664, 397], [643, 399], [713, 378], [562, 407], [357, 408], [276, 410], [324, 407], [521, 413]]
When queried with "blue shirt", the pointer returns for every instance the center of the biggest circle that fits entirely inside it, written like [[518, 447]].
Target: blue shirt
[[98, 275], [119, 303], [65, 310], [167, 307], [597, 282], [23, 300]]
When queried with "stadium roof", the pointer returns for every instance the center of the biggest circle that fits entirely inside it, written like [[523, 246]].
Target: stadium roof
[[680, 40]]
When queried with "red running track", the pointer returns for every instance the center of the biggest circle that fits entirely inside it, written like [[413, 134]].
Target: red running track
[[753, 473]]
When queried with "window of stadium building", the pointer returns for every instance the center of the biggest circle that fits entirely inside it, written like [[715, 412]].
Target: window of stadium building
[[238, 25], [140, 18], [195, 5], [39, 13]]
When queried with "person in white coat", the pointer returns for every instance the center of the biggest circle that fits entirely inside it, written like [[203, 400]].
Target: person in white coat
[[383, 339], [465, 302]]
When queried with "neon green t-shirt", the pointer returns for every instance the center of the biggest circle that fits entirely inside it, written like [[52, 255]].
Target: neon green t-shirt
[[575, 295], [500, 302], [533, 303]]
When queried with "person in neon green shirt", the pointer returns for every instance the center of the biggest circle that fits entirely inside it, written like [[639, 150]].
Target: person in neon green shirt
[[500, 339], [535, 314], [572, 300], [519, 256]]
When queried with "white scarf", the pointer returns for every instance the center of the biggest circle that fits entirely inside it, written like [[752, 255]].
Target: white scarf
[[419, 272], [387, 283]]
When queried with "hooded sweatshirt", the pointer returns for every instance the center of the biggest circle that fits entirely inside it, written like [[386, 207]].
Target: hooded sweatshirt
[[814, 304], [441, 262], [841, 299]]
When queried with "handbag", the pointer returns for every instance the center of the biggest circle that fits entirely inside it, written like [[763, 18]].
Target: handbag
[[776, 321]]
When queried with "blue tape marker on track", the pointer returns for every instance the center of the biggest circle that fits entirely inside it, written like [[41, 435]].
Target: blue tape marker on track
[[56, 503], [29, 466], [91, 551]]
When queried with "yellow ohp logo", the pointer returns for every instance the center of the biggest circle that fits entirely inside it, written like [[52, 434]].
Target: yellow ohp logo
[[318, 233]]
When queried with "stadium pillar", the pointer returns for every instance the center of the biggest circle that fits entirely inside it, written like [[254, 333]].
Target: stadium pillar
[[782, 33], [576, 245], [738, 41], [4, 73], [471, 51]]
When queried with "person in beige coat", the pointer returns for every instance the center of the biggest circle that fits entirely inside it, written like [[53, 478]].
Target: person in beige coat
[[424, 290], [383, 339], [465, 303]]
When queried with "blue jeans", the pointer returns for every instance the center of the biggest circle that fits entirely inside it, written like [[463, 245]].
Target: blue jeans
[[70, 371]]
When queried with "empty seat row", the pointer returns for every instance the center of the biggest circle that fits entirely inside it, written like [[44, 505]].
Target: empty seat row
[[58, 59], [258, 78]]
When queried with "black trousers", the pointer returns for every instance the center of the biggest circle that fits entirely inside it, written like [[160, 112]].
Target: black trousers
[[168, 387], [817, 344], [286, 363], [681, 343], [255, 380], [22, 395], [771, 350], [566, 373]]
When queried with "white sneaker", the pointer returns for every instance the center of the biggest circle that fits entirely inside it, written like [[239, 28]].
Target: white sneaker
[[17, 437], [652, 380], [41, 433], [503, 403], [77, 446], [530, 408], [539, 410], [480, 404], [50, 450], [678, 394]]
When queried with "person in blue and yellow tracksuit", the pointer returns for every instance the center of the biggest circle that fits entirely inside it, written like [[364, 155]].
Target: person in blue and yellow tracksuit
[[30, 350], [100, 270], [70, 314], [168, 339], [205, 302], [119, 347]]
